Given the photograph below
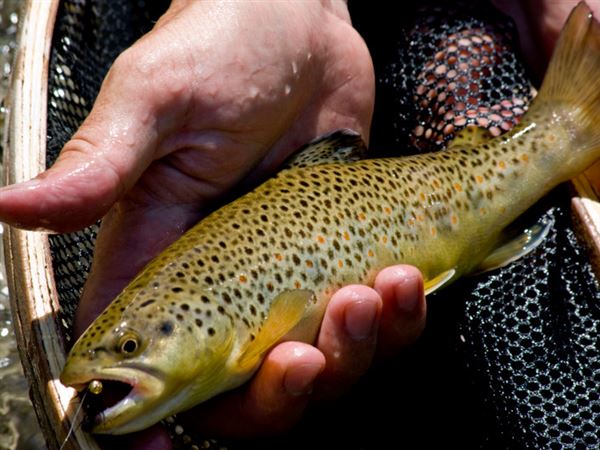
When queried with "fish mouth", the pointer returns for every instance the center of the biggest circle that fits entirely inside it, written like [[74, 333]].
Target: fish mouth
[[125, 402]]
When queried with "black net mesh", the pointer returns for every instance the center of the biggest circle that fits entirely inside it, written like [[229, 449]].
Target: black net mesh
[[509, 359], [463, 71]]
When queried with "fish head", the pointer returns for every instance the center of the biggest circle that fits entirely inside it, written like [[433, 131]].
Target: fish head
[[152, 358]]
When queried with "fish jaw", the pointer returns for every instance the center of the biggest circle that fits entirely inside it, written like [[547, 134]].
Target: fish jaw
[[146, 403]]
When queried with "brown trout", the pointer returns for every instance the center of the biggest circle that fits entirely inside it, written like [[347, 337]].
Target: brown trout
[[198, 320]]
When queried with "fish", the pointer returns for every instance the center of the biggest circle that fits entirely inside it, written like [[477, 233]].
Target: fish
[[199, 318]]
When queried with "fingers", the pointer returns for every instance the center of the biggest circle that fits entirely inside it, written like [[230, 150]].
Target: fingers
[[404, 308], [273, 401], [361, 322], [348, 338]]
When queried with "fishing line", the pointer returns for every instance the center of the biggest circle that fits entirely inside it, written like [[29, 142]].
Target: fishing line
[[74, 420]]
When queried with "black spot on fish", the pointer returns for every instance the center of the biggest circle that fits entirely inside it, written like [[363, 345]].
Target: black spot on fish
[[166, 328]]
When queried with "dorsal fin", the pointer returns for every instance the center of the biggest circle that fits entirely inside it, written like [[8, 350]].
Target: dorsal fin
[[341, 146], [470, 136]]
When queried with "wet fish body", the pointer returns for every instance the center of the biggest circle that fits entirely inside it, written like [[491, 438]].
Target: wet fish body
[[199, 318]]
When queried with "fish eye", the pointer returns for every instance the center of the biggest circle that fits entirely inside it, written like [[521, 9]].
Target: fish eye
[[129, 346], [128, 343]]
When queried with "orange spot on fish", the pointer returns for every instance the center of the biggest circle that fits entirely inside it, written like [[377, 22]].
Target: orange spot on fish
[[436, 183], [387, 210], [502, 165], [525, 158], [384, 239], [423, 196], [297, 285], [340, 263], [454, 219], [309, 263], [411, 222], [421, 218], [320, 239], [362, 217], [479, 179], [482, 211], [458, 187], [243, 278], [433, 231], [346, 236], [370, 253], [278, 257]]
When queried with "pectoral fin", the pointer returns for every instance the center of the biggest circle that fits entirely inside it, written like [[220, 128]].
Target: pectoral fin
[[436, 283], [516, 248], [470, 136], [285, 313], [341, 146]]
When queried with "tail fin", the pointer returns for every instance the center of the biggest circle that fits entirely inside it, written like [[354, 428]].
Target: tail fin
[[573, 76]]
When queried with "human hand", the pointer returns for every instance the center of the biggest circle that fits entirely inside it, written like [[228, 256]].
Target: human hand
[[218, 95]]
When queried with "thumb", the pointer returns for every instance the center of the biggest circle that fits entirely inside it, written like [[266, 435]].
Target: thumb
[[105, 157]]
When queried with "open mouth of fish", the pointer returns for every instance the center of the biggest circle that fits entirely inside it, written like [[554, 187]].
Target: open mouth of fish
[[99, 406], [126, 393]]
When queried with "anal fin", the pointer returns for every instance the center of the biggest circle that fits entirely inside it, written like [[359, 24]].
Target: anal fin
[[515, 248]]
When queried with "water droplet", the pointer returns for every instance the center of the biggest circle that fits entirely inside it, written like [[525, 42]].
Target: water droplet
[[254, 92]]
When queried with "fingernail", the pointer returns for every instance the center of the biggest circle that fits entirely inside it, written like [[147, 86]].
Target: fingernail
[[359, 319], [300, 380], [408, 296]]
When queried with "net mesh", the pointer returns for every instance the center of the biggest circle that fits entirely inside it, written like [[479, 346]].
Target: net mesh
[[509, 359]]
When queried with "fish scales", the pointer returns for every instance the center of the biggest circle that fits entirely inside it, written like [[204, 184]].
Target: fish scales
[[328, 225], [263, 267]]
